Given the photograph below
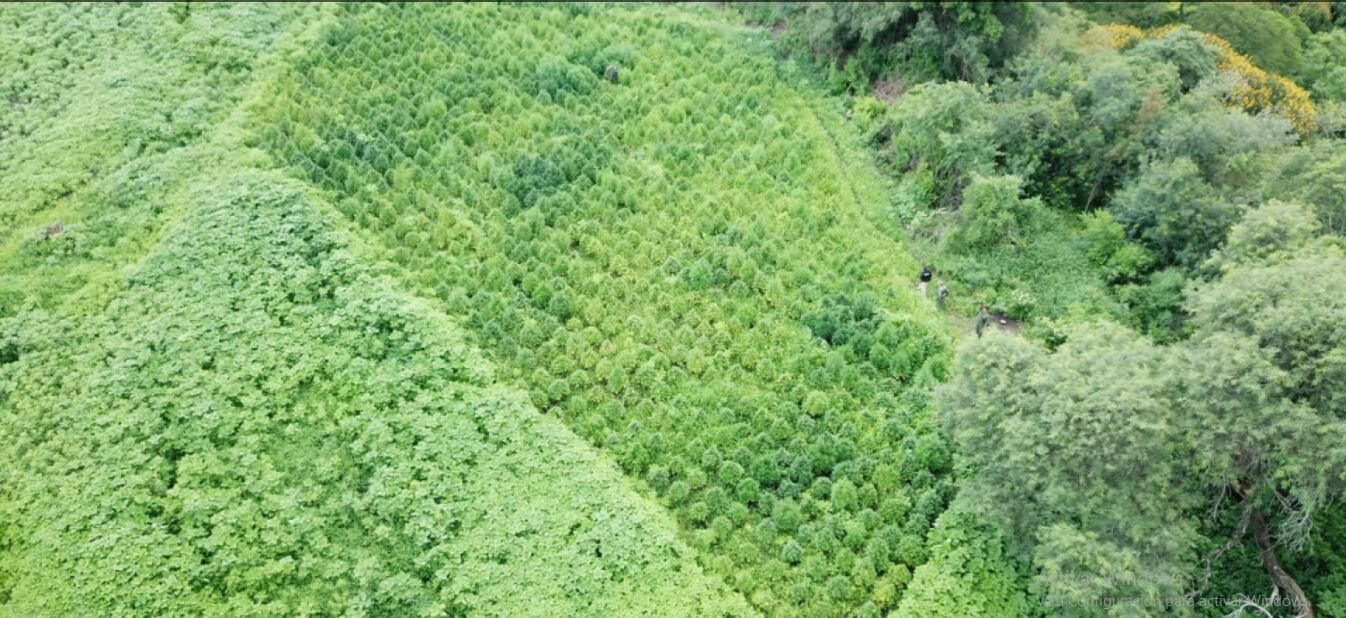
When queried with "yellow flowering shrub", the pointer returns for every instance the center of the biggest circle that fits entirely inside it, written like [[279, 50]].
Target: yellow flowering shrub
[[1259, 89], [1116, 35]]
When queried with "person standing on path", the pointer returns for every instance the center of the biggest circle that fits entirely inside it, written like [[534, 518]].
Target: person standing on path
[[941, 293], [982, 318], [926, 275]]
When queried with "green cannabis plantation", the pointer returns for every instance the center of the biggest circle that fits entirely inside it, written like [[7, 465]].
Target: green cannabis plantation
[[612, 310]]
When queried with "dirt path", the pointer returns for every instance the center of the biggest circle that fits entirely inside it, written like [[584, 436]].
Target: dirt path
[[1005, 323]]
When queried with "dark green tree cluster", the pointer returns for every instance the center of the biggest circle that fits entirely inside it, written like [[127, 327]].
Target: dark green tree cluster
[[852, 324], [1100, 179], [865, 41], [1137, 139], [1125, 470], [1296, 39], [671, 263], [1305, 41]]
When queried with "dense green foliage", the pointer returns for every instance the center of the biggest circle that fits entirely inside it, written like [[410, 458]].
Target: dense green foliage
[[1323, 71], [967, 575], [865, 41], [1071, 451], [1142, 132], [1172, 181], [256, 426], [208, 406], [609, 243], [591, 309], [67, 125], [1132, 443], [1302, 40], [1273, 40]]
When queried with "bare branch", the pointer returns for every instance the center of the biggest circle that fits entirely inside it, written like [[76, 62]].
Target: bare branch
[[1247, 603], [1296, 528]]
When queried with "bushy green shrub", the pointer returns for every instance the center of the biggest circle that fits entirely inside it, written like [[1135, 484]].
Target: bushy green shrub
[[1324, 70], [1313, 175], [1175, 213], [940, 130], [1155, 304], [1107, 247], [1273, 40], [1184, 49], [969, 574], [1271, 232], [993, 213]]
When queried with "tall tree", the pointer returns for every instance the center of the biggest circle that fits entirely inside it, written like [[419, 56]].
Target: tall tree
[[1100, 457], [1262, 383], [1073, 453]]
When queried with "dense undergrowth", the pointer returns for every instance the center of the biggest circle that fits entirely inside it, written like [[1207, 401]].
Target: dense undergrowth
[[673, 263], [76, 116], [209, 405], [1127, 147], [388, 310], [226, 413], [1158, 167], [254, 425]]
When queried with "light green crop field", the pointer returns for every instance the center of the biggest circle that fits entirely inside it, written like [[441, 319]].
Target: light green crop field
[[408, 311]]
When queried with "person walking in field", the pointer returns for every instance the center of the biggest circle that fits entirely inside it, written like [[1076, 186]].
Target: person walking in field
[[983, 317], [926, 275], [941, 293]]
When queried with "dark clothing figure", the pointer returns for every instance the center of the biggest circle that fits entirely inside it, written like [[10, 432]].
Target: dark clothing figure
[[926, 275], [982, 318], [941, 293], [611, 73]]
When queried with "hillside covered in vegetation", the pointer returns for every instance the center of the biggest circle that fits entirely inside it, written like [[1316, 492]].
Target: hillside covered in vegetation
[[609, 309], [1152, 194]]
